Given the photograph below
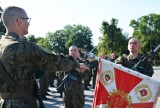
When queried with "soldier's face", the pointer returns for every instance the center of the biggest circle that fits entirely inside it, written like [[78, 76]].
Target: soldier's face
[[24, 24], [133, 45], [103, 56], [73, 51], [112, 56]]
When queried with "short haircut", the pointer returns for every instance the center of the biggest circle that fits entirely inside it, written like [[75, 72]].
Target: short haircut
[[134, 39], [73, 46], [11, 14]]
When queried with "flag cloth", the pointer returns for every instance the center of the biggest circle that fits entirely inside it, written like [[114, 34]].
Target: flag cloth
[[120, 87]]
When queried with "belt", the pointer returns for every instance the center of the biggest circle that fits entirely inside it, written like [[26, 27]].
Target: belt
[[7, 95], [12, 95]]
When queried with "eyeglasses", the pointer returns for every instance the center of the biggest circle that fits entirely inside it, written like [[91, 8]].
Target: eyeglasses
[[29, 19]]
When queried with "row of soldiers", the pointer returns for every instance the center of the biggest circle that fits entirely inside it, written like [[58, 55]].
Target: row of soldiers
[[50, 79], [74, 90], [21, 60], [75, 99]]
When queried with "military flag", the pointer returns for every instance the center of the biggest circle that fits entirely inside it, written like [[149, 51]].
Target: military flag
[[120, 87]]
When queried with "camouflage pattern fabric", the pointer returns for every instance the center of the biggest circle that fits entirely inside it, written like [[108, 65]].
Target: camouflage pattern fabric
[[87, 79], [21, 59], [44, 83], [74, 91], [16, 103], [129, 62], [94, 72], [73, 95]]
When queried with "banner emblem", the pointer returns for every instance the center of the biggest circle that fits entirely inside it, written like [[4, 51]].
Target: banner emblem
[[107, 78], [119, 99], [143, 93]]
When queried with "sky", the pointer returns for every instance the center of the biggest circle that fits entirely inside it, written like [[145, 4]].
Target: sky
[[51, 15]]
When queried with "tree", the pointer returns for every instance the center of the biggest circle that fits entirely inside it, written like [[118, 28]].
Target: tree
[[147, 31], [79, 35], [58, 40], [40, 41], [2, 28], [112, 39], [44, 42]]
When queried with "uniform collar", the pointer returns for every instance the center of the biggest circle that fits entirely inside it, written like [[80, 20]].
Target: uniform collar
[[130, 57], [14, 35]]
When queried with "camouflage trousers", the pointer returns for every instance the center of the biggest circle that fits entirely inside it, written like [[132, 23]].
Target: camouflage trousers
[[73, 95], [16, 103]]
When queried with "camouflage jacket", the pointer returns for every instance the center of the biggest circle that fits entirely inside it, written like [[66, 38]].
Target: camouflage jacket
[[22, 58], [82, 76], [129, 62]]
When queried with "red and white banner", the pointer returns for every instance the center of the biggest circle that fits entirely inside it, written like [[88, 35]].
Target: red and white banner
[[120, 87]]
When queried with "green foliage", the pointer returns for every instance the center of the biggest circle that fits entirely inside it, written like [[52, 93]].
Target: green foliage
[[112, 39], [2, 28], [58, 40], [147, 31], [44, 42], [78, 35]]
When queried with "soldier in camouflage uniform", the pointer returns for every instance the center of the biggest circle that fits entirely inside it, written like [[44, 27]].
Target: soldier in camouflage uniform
[[133, 58], [21, 59], [74, 90], [43, 86]]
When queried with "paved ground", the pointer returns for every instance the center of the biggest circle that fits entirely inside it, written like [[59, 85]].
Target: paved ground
[[56, 102]]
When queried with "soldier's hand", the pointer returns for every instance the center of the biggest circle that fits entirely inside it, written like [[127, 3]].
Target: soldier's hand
[[82, 67], [91, 59]]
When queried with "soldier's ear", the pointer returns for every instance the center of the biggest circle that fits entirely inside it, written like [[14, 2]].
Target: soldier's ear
[[19, 21]]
